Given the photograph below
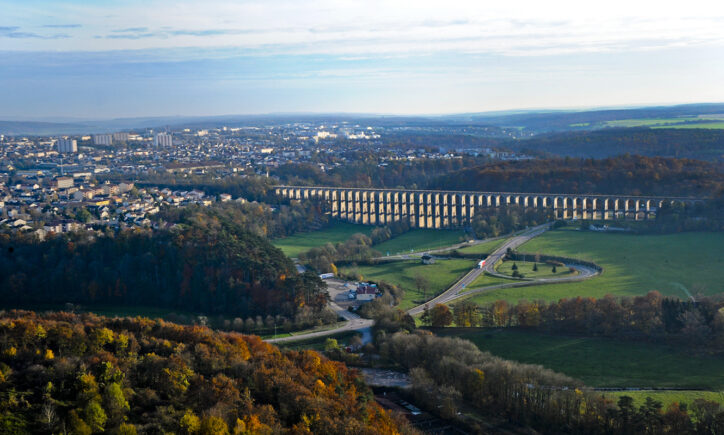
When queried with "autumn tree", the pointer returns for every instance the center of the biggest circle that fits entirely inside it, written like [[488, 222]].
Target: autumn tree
[[440, 316]]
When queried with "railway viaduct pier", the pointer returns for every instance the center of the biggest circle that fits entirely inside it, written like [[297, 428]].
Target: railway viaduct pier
[[453, 209]]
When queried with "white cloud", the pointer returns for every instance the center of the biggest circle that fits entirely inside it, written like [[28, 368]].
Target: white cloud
[[375, 27]]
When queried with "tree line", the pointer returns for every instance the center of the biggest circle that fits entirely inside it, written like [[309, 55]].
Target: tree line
[[649, 317], [83, 374], [256, 217], [496, 221], [358, 248], [451, 374]]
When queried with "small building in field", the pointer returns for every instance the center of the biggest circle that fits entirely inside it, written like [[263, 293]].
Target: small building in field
[[366, 291], [428, 259]]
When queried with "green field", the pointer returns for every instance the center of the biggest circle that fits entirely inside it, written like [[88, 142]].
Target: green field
[[441, 275], [633, 265], [601, 362], [420, 240], [483, 248], [666, 122], [526, 269], [485, 280], [707, 125], [292, 246]]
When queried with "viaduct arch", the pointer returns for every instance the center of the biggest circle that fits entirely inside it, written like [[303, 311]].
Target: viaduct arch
[[453, 209]]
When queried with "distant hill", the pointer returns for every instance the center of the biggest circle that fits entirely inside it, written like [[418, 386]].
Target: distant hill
[[563, 120], [682, 143], [633, 175], [533, 121]]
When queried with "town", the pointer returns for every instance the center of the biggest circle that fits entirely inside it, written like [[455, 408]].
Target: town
[[65, 183]]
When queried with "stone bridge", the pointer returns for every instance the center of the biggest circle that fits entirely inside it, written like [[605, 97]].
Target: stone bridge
[[453, 209]]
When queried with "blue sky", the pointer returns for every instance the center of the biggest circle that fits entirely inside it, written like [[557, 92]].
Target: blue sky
[[101, 59]]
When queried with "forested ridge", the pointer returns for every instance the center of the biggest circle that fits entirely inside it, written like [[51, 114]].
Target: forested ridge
[[627, 175], [256, 217], [67, 373], [703, 144], [203, 266]]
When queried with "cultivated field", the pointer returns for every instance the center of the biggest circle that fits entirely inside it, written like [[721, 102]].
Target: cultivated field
[[703, 122], [601, 362], [440, 275]]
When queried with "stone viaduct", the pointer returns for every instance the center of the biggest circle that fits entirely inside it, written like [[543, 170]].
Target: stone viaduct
[[452, 209]]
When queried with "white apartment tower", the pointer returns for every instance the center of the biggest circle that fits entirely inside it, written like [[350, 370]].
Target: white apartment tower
[[67, 145], [120, 137], [103, 139], [163, 140]]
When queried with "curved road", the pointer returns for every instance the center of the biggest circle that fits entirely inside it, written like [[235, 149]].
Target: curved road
[[457, 290]]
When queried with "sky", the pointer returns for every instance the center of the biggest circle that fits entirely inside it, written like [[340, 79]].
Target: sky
[[105, 59]]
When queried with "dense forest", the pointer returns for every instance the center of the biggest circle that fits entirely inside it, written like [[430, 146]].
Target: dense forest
[[256, 217], [368, 172], [629, 175], [702, 144], [208, 266], [65, 373]]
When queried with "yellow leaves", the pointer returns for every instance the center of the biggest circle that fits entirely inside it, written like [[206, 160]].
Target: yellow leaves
[[122, 341], [309, 421], [102, 336], [190, 423], [480, 374], [49, 355], [40, 332], [11, 352], [251, 425], [319, 386]]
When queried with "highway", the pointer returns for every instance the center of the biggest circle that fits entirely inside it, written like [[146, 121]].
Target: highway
[[459, 287], [458, 290]]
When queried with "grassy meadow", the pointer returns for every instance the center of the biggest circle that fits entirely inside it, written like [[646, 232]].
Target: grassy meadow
[[293, 245], [441, 275], [633, 264], [420, 240], [601, 362], [526, 269], [483, 248]]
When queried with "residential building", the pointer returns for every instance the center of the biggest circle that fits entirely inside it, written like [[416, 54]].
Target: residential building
[[163, 140], [103, 139], [67, 145]]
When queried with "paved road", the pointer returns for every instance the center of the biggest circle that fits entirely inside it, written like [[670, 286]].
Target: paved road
[[459, 287], [458, 290], [436, 250], [338, 303], [353, 323]]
